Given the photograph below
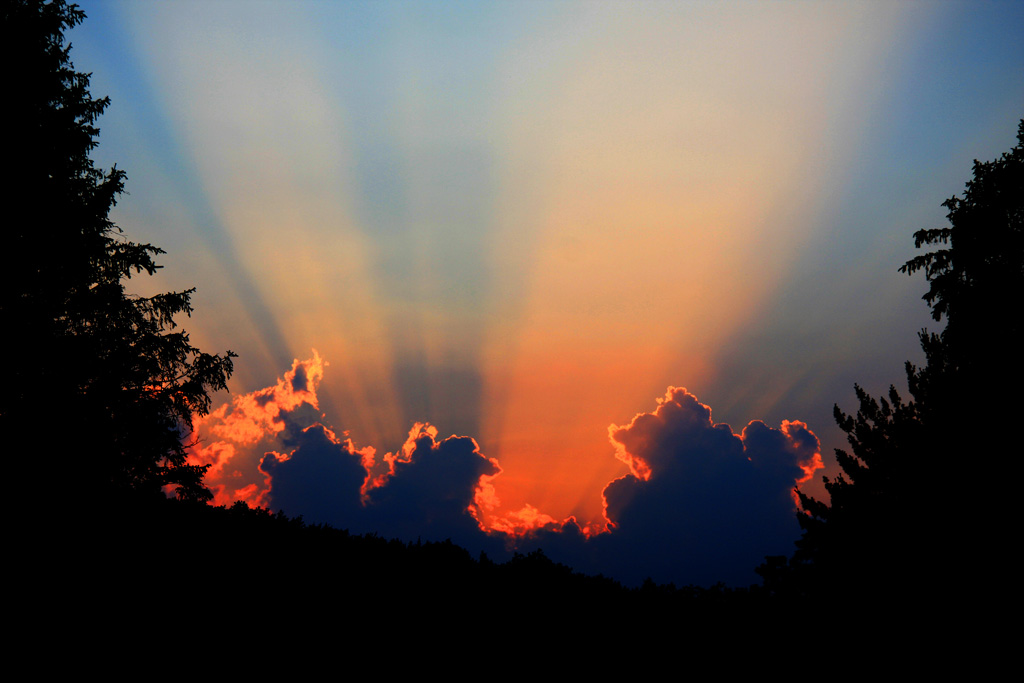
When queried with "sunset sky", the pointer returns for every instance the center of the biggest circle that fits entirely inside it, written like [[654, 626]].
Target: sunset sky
[[523, 222]]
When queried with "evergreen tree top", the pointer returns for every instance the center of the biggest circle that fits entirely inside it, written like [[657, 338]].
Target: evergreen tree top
[[104, 386]]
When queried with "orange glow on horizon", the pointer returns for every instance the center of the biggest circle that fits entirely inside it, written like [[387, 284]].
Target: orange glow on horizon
[[521, 522]]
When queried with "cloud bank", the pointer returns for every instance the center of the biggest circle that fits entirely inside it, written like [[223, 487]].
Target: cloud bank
[[699, 504], [700, 499]]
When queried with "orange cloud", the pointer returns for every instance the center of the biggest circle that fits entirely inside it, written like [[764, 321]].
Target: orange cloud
[[809, 460], [228, 438], [251, 417], [521, 522]]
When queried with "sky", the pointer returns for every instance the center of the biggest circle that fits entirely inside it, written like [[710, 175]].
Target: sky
[[584, 276]]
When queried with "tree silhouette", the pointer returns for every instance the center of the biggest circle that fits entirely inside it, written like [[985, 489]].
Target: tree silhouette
[[974, 283], [102, 387], [895, 525]]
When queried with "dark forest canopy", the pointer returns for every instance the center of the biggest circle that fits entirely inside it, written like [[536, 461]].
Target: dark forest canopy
[[101, 380]]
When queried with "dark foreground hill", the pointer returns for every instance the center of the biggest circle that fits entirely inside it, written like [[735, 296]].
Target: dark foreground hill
[[145, 557], [143, 581]]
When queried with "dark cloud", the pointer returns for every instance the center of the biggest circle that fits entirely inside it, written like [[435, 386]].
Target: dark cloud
[[300, 380], [320, 479], [430, 490], [427, 492], [700, 503]]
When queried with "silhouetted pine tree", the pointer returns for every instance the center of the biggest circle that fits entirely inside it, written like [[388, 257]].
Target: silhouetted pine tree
[[100, 387]]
